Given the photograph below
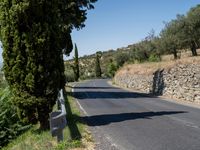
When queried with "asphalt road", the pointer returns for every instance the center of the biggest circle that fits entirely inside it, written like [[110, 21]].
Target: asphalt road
[[126, 120]]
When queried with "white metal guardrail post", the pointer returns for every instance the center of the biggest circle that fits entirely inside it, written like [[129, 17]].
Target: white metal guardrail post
[[58, 118]]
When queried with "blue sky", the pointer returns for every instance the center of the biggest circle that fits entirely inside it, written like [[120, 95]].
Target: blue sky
[[118, 23]]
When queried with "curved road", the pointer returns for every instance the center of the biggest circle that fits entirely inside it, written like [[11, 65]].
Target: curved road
[[125, 120]]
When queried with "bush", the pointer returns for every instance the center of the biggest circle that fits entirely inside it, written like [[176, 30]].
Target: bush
[[121, 58], [112, 68], [154, 58], [69, 74], [88, 75], [10, 124], [139, 54], [3, 82]]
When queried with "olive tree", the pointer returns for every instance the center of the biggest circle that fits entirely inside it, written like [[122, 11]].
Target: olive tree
[[192, 29]]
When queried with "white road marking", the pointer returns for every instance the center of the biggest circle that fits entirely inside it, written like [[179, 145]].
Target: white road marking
[[109, 139], [81, 107], [78, 101]]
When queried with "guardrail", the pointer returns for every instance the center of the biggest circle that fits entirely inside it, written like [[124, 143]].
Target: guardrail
[[58, 118]]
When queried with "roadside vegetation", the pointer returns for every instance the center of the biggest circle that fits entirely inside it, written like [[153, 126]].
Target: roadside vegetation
[[34, 37], [10, 124], [37, 76], [76, 134], [39, 35]]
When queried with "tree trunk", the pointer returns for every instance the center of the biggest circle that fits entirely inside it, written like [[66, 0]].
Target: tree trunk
[[193, 49], [159, 56], [31, 114], [43, 117], [175, 53], [146, 56]]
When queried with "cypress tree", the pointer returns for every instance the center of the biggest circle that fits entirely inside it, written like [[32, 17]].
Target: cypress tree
[[97, 65], [76, 64], [34, 35]]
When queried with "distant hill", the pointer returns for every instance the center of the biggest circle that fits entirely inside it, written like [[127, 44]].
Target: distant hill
[[126, 54], [87, 62]]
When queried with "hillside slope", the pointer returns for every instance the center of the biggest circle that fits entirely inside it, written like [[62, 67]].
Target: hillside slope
[[127, 55], [87, 62]]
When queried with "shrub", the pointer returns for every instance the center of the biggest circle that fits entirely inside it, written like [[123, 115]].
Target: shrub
[[154, 58], [121, 58], [70, 76], [3, 82], [112, 68], [10, 124]]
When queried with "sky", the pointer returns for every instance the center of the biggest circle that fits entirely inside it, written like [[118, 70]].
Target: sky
[[117, 23]]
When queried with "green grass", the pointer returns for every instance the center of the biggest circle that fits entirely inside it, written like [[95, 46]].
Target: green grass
[[76, 134]]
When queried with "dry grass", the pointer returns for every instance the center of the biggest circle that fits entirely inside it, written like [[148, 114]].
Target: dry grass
[[150, 67], [182, 54]]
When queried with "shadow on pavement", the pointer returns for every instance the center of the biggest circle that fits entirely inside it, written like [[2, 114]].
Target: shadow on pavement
[[100, 120], [85, 87], [72, 120], [108, 95]]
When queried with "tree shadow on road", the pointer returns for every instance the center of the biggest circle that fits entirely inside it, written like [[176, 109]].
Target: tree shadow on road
[[72, 120], [100, 120], [87, 87], [108, 95]]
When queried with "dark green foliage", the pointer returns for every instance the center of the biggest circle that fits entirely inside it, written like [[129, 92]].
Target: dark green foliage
[[169, 36], [121, 58], [1, 65], [183, 32], [111, 69], [2, 81], [97, 65], [69, 72], [154, 58], [70, 76], [159, 48], [76, 64], [139, 53], [192, 29], [34, 35], [10, 124]]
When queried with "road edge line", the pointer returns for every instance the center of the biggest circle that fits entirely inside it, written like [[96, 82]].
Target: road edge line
[[109, 139], [82, 109]]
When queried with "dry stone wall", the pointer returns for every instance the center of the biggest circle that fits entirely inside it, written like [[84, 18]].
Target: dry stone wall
[[181, 81]]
